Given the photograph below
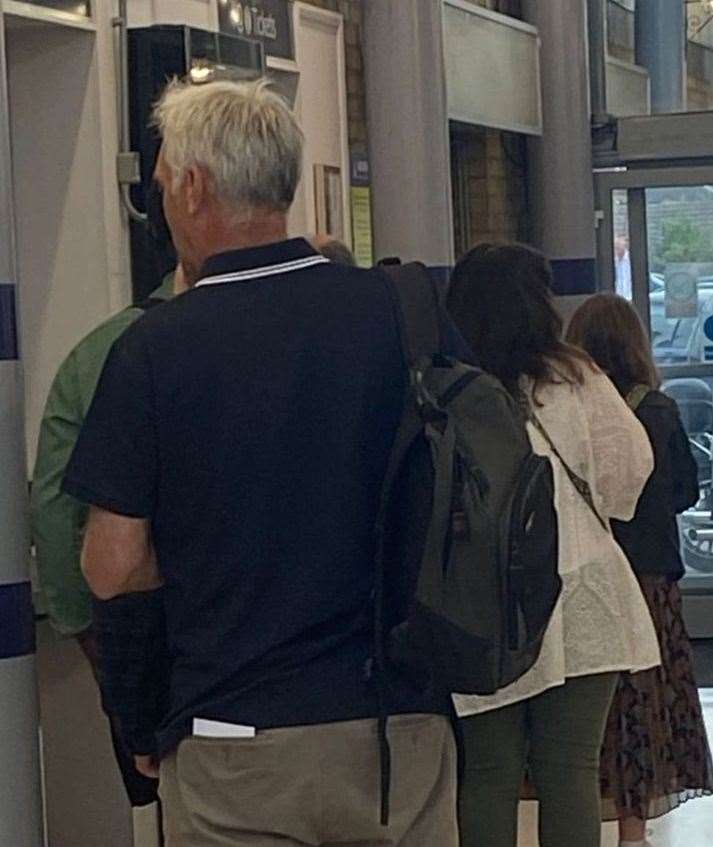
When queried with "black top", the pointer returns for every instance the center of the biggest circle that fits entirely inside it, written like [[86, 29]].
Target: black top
[[250, 420], [651, 540]]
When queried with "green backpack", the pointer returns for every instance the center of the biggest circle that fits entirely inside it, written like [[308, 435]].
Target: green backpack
[[467, 538]]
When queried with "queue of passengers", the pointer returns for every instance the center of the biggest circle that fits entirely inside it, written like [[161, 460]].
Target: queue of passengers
[[276, 639]]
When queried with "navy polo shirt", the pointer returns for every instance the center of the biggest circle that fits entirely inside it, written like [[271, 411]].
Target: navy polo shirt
[[250, 421]]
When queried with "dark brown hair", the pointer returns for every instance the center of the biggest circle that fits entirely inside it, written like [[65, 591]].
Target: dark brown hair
[[609, 329], [500, 298]]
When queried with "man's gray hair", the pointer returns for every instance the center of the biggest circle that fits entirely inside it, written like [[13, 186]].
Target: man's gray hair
[[243, 134]]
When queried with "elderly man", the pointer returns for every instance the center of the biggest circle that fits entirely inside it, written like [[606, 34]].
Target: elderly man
[[245, 481]]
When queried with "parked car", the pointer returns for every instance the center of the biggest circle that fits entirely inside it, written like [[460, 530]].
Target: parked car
[[680, 341]]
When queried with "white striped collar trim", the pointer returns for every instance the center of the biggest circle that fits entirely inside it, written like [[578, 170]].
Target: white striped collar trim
[[266, 270]]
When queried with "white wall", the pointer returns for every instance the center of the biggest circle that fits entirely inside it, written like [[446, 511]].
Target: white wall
[[321, 108], [70, 258], [199, 13], [503, 55], [72, 273], [628, 89]]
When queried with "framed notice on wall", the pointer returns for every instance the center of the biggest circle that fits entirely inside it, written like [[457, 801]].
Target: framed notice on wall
[[328, 201], [361, 226]]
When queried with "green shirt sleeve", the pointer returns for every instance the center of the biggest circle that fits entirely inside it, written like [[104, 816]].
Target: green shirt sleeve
[[58, 519]]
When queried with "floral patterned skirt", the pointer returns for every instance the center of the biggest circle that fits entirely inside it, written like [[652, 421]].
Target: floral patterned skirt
[[656, 754]]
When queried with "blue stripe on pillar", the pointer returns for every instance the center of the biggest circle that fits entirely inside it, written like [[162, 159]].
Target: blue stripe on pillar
[[17, 620], [574, 276], [8, 322]]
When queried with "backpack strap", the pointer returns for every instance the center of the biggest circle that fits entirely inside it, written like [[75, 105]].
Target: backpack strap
[[419, 332], [581, 485], [417, 312], [636, 396], [148, 303], [418, 306]]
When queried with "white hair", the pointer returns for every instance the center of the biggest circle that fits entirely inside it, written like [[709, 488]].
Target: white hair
[[243, 134]]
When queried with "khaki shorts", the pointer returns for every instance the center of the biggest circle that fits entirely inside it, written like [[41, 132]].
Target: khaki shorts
[[314, 785]]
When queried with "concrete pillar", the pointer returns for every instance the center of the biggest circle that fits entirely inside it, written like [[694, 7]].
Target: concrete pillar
[[20, 784], [661, 49], [597, 28], [408, 130], [562, 188]]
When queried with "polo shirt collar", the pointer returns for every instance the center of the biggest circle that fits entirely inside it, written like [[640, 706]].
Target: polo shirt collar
[[254, 262]]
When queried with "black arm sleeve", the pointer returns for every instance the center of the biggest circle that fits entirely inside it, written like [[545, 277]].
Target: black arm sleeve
[[673, 486], [686, 490], [133, 665]]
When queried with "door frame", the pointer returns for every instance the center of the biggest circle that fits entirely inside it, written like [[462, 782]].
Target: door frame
[[635, 181], [672, 152]]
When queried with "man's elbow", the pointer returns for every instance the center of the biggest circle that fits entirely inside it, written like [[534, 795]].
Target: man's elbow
[[106, 591], [117, 556], [103, 580]]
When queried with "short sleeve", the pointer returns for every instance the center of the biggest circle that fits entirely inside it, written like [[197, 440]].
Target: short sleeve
[[114, 464]]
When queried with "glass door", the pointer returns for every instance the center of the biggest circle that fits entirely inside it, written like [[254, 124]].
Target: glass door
[[656, 249]]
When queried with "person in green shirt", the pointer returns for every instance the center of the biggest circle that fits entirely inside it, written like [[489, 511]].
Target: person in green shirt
[[58, 520]]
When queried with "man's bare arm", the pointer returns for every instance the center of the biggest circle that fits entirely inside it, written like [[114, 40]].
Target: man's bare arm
[[118, 555]]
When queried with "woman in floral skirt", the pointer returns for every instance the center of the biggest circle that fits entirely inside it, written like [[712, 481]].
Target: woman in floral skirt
[[655, 754]]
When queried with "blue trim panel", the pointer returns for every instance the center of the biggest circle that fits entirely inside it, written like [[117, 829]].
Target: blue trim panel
[[17, 620], [441, 276], [571, 276], [8, 323], [574, 276]]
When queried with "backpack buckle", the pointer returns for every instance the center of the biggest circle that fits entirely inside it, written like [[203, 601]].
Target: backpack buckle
[[423, 396], [416, 379]]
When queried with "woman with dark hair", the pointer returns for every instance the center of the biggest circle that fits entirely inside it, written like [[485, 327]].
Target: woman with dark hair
[[553, 718], [655, 754]]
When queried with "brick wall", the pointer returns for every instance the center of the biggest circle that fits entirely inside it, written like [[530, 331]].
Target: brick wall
[[496, 195], [490, 188], [489, 176]]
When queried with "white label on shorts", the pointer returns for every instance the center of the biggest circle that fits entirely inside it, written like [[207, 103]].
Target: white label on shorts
[[203, 728]]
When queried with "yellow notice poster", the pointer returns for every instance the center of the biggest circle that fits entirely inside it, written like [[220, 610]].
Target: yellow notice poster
[[361, 226]]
